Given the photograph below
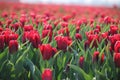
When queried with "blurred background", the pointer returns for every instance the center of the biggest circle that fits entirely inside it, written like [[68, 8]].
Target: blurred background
[[75, 2]]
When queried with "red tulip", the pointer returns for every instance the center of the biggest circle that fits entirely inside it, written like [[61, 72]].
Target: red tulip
[[96, 31], [33, 15], [25, 36], [117, 59], [86, 44], [98, 27], [94, 38], [113, 29], [28, 27], [9, 36], [107, 20], [64, 31], [47, 27], [66, 18], [79, 23], [81, 61], [34, 38], [1, 42], [95, 56], [47, 74], [16, 26], [1, 29], [102, 58], [77, 29], [117, 47], [4, 14], [78, 36], [47, 51], [64, 24], [22, 21], [113, 39], [63, 42], [13, 46]]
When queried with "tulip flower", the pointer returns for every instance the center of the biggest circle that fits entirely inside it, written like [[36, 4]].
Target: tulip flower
[[113, 29], [78, 36], [117, 47], [47, 51], [96, 56], [1, 42], [13, 46], [117, 59], [47, 74], [81, 61], [63, 42], [28, 28]]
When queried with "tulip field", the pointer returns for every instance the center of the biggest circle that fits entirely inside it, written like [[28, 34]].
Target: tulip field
[[59, 42]]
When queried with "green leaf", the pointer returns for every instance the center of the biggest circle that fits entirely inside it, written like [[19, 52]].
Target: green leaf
[[100, 76], [81, 72]]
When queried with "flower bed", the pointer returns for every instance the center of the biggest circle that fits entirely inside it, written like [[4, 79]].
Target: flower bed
[[58, 42]]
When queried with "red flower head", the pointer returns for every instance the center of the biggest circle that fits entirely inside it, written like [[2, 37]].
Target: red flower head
[[117, 47], [81, 61], [47, 51], [95, 56], [13, 46], [78, 36], [1, 29], [64, 31], [117, 59], [107, 20], [63, 42], [98, 27], [28, 27], [16, 26], [22, 21], [102, 58], [79, 23], [64, 24], [47, 27], [8, 35], [94, 38], [1, 42], [113, 29], [34, 38], [96, 31], [47, 74], [113, 39], [25, 36], [4, 14], [77, 29], [66, 18], [33, 15]]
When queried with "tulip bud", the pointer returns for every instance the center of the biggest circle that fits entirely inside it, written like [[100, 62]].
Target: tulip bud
[[63, 42], [102, 58], [47, 51], [95, 56], [117, 47], [28, 27], [1, 42], [78, 36], [81, 61], [117, 59], [13, 46], [47, 74]]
